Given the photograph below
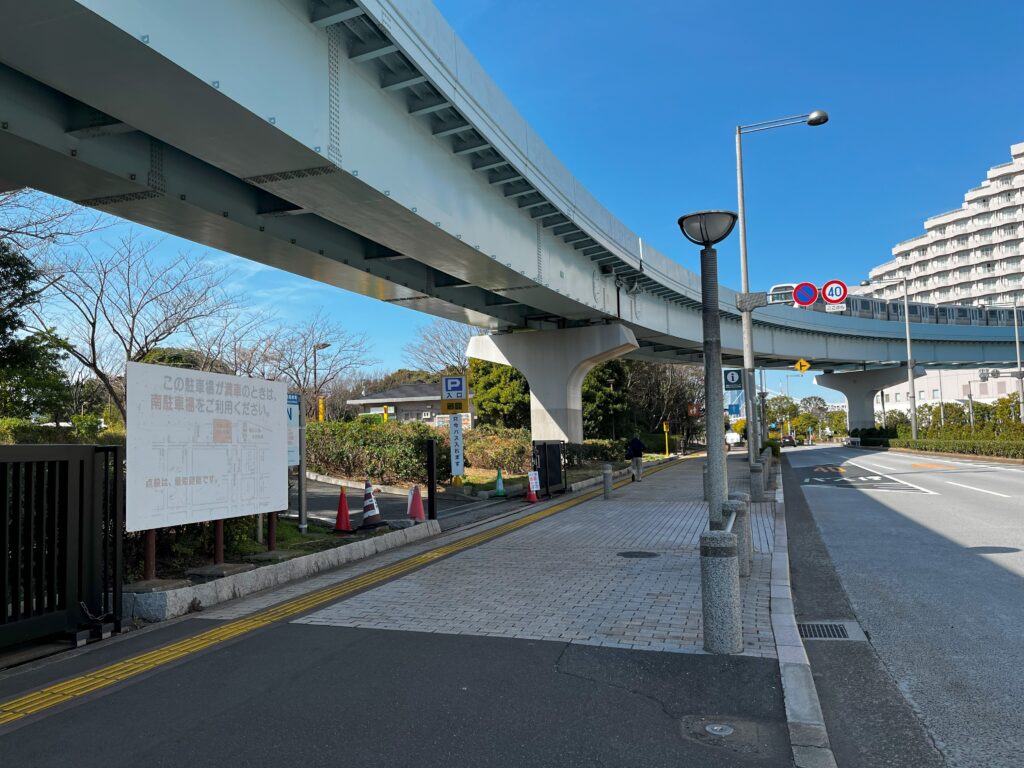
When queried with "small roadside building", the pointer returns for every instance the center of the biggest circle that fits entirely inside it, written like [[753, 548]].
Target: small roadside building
[[411, 402]]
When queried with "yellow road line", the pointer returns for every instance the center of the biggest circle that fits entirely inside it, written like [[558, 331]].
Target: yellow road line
[[76, 687]]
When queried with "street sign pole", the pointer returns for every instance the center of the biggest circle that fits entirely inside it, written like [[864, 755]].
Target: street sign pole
[[303, 522]]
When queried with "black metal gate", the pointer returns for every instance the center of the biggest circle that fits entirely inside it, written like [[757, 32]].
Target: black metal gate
[[61, 524], [549, 463]]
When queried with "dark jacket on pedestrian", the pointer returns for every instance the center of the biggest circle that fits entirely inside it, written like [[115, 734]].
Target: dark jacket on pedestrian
[[635, 449]]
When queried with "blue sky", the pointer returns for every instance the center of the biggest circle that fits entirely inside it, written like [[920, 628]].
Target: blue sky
[[640, 101]]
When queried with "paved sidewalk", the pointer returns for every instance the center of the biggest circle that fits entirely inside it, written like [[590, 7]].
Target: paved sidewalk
[[572, 578], [444, 694]]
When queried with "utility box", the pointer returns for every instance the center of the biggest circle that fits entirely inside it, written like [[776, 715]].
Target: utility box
[[548, 462]]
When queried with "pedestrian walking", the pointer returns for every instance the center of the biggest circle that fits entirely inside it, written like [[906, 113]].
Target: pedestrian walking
[[635, 452]]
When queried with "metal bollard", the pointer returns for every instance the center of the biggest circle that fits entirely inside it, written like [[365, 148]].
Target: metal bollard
[[606, 470], [741, 527], [720, 593], [756, 482]]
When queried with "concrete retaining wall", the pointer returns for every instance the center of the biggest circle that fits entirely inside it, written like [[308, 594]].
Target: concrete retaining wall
[[160, 606]]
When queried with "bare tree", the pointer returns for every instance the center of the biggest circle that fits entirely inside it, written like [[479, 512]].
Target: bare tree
[[29, 219], [315, 356], [664, 392], [441, 347], [242, 346], [117, 304]]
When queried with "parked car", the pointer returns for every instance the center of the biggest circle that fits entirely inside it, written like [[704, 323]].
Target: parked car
[[788, 440]]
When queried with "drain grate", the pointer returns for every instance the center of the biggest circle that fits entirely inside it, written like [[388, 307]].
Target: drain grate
[[638, 554], [820, 631]]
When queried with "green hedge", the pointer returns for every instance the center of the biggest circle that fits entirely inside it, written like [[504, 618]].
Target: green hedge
[[495, 448], [391, 452], [24, 432], [1009, 449]]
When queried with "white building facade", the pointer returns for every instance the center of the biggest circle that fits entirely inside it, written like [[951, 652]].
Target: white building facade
[[971, 255], [940, 386]]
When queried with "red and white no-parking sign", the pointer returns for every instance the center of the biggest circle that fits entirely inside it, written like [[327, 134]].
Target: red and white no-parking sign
[[834, 291], [805, 294]]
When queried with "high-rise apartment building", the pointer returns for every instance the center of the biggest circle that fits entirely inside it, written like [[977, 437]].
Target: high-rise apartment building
[[971, 255]]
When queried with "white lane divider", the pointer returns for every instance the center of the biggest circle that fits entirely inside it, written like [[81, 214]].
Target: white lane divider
[[980, 490], [894, 479]]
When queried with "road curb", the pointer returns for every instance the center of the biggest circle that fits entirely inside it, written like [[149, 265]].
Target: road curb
[[161, 606], [808, 735]]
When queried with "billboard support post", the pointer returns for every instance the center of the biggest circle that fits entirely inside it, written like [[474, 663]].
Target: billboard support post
[[149, 569], [218, 542]]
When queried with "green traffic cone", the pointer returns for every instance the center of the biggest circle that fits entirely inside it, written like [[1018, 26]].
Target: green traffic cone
[[499, 486]]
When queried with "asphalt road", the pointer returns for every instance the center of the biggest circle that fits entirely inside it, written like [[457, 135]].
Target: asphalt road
[[929, 552]]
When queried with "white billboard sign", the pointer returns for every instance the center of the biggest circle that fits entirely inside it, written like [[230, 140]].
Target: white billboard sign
[[203, 446], [455, 438]]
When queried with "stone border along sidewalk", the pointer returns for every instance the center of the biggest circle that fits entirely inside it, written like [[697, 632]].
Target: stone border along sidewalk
[[807, 733], [160, 606]]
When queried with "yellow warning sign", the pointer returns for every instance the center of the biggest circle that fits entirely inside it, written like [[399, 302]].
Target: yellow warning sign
[[802, 365]]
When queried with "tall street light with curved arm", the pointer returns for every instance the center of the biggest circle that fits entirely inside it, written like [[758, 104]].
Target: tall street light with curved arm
[[746, 302], [910, 352]]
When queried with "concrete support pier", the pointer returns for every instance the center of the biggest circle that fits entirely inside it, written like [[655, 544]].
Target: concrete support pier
[[554, 363], [860, 388]]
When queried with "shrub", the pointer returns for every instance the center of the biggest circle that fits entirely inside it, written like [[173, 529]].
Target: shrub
[[23, 431], [775, 445], [384, 452], [1009, 449], [86, 427], [578, 454], [490, 447]]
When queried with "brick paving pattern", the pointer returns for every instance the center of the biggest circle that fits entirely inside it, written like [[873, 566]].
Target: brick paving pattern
[[563, 578]]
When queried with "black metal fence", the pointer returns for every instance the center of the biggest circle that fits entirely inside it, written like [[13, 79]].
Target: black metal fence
[[61, 527]]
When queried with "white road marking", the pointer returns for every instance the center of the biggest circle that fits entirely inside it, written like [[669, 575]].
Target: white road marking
[[980, 490], [891, 469], [895, 479]]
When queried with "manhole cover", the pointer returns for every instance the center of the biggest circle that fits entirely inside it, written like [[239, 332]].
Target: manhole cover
[[719, 729], [638, 554]]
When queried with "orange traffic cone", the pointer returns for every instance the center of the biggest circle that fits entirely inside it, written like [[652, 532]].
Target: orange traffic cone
[[371, 512], [415, 507], [531, 495], [342, 524]]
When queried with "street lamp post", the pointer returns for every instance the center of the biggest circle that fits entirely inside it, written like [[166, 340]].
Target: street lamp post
[[706, 228], [747, 302], [910, 355], [788, 377], [316, 385], [1020, 372]]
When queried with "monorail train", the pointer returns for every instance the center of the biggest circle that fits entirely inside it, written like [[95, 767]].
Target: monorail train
[[880, 309]]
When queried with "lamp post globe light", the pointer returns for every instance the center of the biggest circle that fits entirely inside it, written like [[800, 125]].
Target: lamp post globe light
[[705, 228], [912, 398], [817, 117]]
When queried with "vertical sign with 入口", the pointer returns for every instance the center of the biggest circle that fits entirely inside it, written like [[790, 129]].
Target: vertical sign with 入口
[[293, 429], [453, 395], [455, 438], [203, 446]]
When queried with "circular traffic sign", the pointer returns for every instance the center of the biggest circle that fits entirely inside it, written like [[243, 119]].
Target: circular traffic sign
[[805, 294], [834, 291]]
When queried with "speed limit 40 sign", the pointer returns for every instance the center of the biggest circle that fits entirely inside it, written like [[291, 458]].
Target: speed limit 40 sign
[[834, 291]]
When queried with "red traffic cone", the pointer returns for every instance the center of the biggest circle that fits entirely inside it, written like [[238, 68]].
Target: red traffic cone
[[371, 512], [415, 507], [342, 524], [531, 495]]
